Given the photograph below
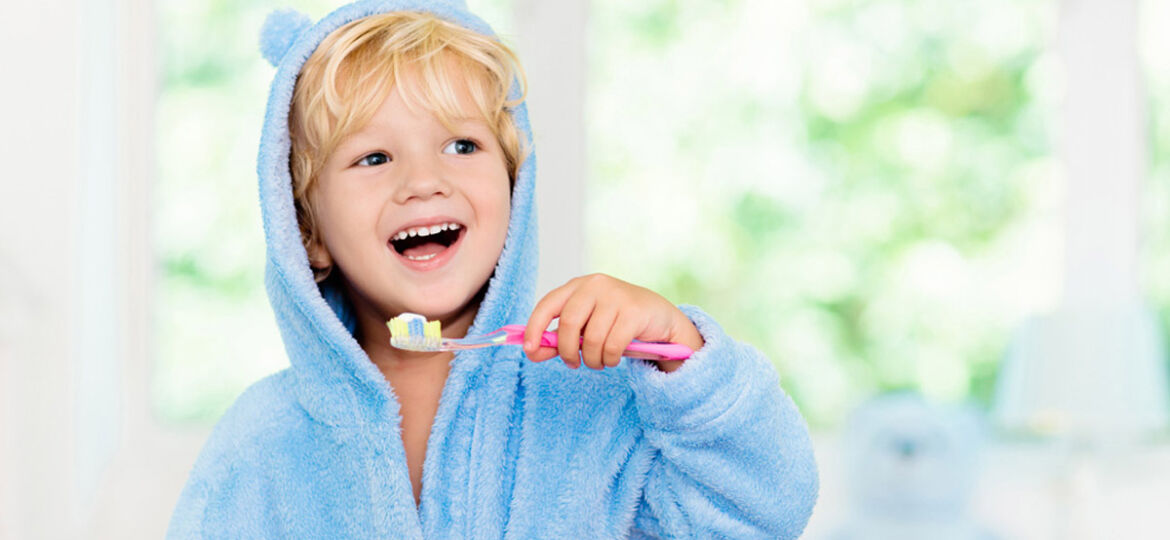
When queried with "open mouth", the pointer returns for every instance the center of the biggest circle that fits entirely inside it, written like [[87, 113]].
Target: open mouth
[[424, 248]]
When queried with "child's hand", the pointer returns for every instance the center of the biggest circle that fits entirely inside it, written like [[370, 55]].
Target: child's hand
[[609, 313]]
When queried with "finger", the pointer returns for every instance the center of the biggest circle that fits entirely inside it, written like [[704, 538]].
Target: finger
[[543, 353], [572, 319], [544, 312], [598, 328], [619, 338]]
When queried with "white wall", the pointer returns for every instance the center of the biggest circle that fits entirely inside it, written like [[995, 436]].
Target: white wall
[[551, 43], [82, 455], [41, 154]]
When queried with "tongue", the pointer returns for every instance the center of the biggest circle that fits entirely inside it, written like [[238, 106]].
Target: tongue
[[424, 249]]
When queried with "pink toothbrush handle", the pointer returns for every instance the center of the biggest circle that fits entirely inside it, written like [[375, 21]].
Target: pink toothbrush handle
[[649, 350]]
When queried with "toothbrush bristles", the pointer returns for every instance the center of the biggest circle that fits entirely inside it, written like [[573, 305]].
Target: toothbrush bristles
[[412, 331]]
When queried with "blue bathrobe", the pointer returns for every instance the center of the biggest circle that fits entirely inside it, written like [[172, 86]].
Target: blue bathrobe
[[518, 449]]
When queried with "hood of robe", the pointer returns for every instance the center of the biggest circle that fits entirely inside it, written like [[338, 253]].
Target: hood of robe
[[336, 381]]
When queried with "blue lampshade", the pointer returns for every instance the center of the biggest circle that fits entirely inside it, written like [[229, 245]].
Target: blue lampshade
[[1094, 374]]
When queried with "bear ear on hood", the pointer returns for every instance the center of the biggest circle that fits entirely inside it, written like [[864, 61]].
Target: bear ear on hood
[[280, 30]]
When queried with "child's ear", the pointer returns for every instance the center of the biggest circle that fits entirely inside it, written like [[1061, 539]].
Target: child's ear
[[319, 257]]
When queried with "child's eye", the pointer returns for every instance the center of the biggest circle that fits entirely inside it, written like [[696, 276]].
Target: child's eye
[[377, 158], [461, 146]]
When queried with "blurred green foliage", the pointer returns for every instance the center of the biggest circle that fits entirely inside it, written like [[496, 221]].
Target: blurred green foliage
[[866, 176], [1154, 38], [214, 331]]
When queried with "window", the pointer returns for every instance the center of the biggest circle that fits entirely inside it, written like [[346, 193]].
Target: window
[[1155, 55]]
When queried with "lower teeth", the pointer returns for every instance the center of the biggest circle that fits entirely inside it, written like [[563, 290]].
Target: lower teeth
[[423, 258]]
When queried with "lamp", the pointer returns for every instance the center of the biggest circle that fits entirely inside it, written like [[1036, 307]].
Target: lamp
[[1094, 376]]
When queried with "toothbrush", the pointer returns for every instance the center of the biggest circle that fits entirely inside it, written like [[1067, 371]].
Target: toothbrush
[[413, 332]]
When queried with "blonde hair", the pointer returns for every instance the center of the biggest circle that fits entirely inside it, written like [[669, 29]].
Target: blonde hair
[[353, 70]]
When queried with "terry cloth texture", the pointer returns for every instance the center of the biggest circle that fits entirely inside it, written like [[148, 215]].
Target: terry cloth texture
[[518, 449]]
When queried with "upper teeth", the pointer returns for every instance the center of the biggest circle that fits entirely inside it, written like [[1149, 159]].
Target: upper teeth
[[425, 231]]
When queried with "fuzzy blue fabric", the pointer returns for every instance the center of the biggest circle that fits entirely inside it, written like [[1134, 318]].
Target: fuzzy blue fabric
[[517, 449]]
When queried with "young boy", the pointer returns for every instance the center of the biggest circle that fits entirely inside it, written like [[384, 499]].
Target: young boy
[[395, 176]]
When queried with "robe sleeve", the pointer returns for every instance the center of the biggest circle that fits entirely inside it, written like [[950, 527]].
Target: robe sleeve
[[732, 454]]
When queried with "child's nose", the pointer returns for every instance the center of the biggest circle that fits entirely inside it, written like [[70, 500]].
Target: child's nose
[[421, 179]]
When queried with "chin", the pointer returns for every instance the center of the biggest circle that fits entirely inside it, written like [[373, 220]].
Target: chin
[[443, 304]]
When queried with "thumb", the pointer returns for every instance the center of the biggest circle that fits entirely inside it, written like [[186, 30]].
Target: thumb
[[542, 354]]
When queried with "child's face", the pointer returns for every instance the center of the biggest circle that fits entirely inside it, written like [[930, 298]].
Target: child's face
[[402, 171]]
